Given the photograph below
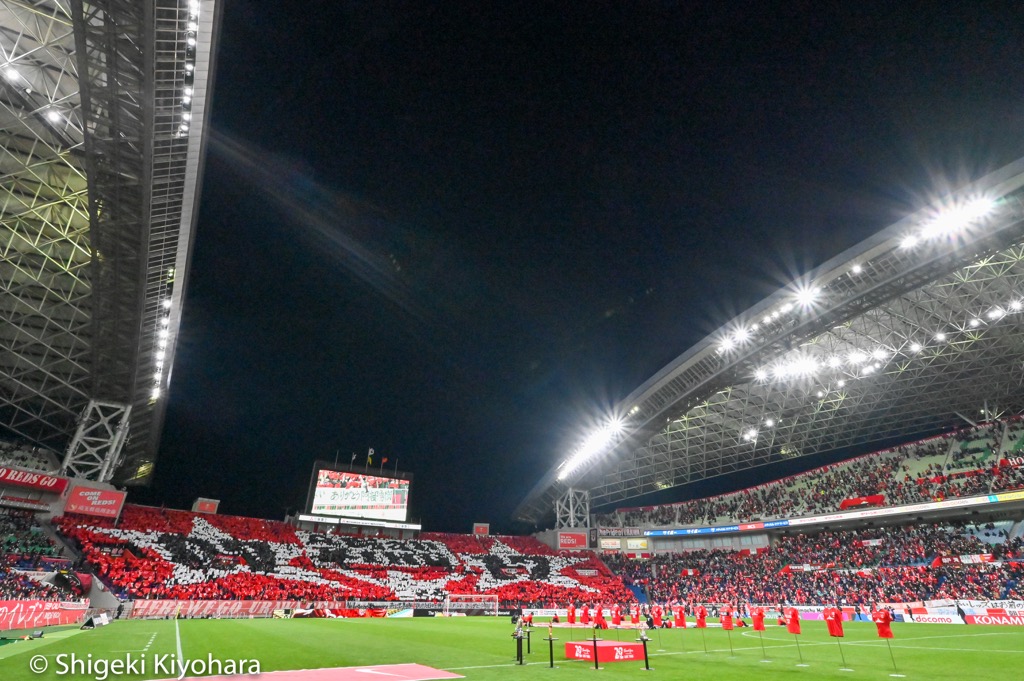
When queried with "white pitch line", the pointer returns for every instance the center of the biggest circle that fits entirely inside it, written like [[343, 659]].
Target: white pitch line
[[177, 636]]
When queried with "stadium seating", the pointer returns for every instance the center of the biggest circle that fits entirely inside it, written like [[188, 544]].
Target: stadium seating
[[23, 542], [26, 456], [969, 462], [892, 565], [157, 553]]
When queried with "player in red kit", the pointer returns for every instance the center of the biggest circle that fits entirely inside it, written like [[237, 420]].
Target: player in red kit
[[702, 617], [634, 614], [616, 615], [656, 613], [679, 614], [585, 617], [571, 616], [726, 618]]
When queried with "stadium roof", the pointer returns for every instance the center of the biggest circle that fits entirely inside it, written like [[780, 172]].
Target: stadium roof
[[104, 110], [916, 328]]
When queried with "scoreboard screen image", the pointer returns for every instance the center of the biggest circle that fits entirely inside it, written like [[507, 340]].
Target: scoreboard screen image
[[357, 495]]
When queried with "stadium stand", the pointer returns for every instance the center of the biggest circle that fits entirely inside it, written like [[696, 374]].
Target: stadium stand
[[964, 463], [23, 542], [905, 564], [26, 555], [25, 456], [157, 553]]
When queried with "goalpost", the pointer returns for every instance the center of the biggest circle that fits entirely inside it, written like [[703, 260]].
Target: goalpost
[[470, 604]]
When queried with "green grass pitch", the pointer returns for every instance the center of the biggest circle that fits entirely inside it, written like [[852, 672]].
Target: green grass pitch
[[481, 649]]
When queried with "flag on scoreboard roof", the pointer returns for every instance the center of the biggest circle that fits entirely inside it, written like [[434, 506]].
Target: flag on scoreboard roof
[[369, 457]]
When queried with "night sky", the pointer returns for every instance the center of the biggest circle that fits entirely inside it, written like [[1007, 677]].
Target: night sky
[[457, 232]]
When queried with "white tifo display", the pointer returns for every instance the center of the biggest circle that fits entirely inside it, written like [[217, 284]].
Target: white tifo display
[[356, 495]]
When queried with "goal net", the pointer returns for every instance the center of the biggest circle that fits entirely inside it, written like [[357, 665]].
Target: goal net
[[471, 604]]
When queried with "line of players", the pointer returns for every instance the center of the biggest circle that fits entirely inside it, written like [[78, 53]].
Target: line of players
[[657, 617]]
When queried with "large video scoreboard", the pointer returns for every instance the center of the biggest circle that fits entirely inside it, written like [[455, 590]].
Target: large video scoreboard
[[348, 494]]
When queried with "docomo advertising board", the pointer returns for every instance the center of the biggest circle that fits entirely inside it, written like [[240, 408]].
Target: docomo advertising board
[[359, 495], [103, 503], [572, 540]]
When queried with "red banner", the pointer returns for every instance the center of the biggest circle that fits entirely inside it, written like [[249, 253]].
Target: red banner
[[98, 502], [871, 500], [49, 483], [35, 614], [572, 540]]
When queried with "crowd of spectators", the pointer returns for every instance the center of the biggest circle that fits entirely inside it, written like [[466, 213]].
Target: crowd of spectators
[[158, 553], [963, 463], [25, 547], [855, 567], [23, 541]]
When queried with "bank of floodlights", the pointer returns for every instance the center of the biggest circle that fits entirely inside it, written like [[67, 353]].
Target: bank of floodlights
[[594, 444]]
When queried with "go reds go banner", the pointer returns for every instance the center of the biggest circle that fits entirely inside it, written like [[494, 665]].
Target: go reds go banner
[[49, 483], [104, 503]]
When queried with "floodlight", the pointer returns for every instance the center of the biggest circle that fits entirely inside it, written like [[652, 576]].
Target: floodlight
[[155, 394], [995, 313], [821, 393], [857, 269], [857, 357], [879, 353], [740, 335], [975, 323], [958, 217], [1015, 305], [787, 307], [915, 347], [53, 115], [909, 241], [807, 295], [11, 73], [761, 374], [940, 336], [835, 361], [167, 304], [191, 41], [841, 383], [769, 422]]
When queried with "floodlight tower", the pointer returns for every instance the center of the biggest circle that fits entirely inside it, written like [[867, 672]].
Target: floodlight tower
[[572, 509]]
